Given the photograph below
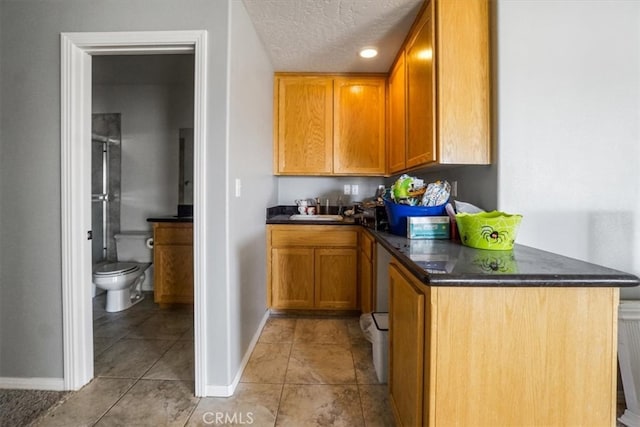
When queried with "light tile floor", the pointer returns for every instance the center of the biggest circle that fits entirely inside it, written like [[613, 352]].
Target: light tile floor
[[303, 372]]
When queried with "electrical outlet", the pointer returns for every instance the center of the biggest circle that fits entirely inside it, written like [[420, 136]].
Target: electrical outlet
[[347, 189], [354, 189]]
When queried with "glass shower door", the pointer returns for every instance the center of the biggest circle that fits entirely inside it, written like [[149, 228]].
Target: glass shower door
[[99, 198]]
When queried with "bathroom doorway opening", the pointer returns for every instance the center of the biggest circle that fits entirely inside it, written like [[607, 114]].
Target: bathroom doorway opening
[[142, 168], [77, 50]]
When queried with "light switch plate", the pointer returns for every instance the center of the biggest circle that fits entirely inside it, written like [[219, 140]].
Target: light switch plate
[[238, 187]]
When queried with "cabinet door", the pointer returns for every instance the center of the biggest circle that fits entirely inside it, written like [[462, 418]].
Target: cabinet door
[[359, 126], [464, 88], [292, 278], [366, 269], [366, 284], [336, 284], [304, 125], [406, 348], [397, 108], [421, 130], [173, 282]]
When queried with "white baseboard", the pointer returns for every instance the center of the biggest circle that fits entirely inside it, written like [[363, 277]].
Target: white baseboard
[[54, 384], [228, 390]]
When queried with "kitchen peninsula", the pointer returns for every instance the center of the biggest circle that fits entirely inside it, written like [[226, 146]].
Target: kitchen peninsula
[[521, 337]]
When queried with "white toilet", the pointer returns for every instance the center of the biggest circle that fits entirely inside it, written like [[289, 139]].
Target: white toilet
[[123, 279]]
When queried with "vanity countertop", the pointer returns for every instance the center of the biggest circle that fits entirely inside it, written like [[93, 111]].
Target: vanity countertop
[[170, 218]]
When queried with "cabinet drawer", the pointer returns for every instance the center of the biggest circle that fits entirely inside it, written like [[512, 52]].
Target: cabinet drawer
[[173, 234], [311, 236]]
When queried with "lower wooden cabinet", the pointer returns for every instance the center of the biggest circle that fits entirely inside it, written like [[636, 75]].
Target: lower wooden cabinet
[[336, 278], [292, 278], [406, 349], [312, 267], [173, 260], [366, 270], [493, 355]]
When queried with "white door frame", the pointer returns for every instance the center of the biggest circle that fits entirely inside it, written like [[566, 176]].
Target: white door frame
[[76, 51]]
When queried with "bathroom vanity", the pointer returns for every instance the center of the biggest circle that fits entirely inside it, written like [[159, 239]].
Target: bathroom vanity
[[173, 260]]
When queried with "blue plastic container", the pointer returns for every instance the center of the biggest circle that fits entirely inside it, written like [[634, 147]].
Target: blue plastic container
[[397, 214]]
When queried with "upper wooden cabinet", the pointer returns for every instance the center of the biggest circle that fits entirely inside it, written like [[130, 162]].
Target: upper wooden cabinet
[[421, 90], [447, 87], [303, 128], [329, 125], [396, 149], [359, 125]]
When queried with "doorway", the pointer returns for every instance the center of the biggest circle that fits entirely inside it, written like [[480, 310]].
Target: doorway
[[77, 50]]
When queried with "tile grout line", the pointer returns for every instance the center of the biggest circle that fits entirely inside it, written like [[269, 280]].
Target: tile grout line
[[284, 380], [116, 402], [353, 359], [192, 411], [137, 380], [98, 376]]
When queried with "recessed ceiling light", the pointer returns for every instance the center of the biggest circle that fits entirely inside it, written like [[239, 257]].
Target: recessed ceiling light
[[368, 52]]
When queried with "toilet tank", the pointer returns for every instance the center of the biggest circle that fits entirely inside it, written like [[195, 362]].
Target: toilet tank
[[132, 246]]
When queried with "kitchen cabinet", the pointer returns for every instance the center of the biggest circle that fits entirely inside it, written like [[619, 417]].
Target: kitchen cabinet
[[447, 87], [367, 257], [173, 260], [329, 125], [336, 278], [312, 267], [396, 148], [303, 140], [406, 348], [292, 277], [359, 139], [501, 355], [421, 91]]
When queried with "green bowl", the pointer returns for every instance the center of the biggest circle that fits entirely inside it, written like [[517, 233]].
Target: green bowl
[[488, 230]]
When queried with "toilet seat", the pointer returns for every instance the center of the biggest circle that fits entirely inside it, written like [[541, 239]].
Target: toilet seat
[[116, 269]]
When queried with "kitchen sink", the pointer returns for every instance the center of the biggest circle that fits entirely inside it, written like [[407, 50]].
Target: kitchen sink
[[316, 217]]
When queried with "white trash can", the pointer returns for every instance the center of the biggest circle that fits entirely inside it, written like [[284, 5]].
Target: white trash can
[[375, 327], [629, 359], [381, 345]]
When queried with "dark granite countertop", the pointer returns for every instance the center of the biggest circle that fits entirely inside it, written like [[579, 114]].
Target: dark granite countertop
[[170, 218], [281, 214], [449, 263]]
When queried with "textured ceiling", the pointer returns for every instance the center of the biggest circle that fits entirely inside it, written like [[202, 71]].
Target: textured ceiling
[[326, 35]]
